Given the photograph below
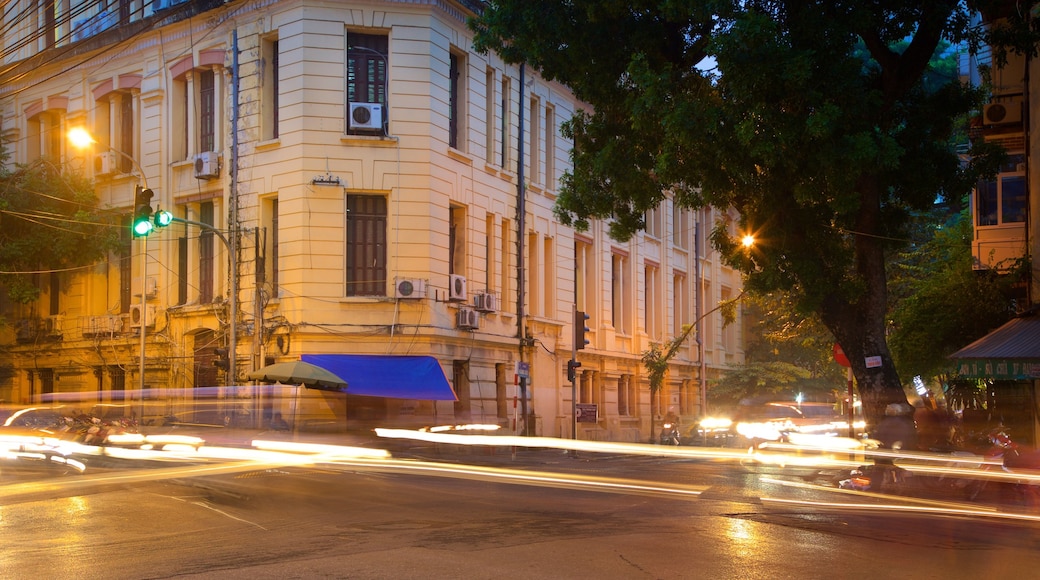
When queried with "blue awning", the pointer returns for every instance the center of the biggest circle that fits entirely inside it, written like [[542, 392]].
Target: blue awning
[[396, 377]]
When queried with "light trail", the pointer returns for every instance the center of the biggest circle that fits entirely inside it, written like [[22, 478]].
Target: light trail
[[874, 495], [526, 477], [566, 444], [268, 454], [904, 509]]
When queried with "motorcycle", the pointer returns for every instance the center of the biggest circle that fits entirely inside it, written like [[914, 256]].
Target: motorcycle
[[1017, 459], [669, 434]]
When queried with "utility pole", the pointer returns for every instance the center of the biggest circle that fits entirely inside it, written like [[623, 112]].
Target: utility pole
[[521, 211], [699, 314]]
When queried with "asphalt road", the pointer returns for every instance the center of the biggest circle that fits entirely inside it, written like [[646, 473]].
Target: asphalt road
[[542, 514]]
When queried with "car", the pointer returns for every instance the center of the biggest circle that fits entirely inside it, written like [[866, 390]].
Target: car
[[712, 430], [772, 421]]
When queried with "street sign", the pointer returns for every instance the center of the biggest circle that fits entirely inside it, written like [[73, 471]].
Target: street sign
[[586, 412], [872, 362], [839, 356], [523, 369]]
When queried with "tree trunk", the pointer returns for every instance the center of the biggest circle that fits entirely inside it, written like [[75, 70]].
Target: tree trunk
[[859, 324]]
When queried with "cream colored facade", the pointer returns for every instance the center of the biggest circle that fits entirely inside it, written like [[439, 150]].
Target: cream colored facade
[[285, 150]]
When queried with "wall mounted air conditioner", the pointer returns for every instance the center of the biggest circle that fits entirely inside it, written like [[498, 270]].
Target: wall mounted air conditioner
[[1002, 113], [53, 326], [207, 165], [409, 288], [136, 316], [485, 302], [105, 325], [366, 116], [26, 329], [457, 288], [105, 163], [467, 319]]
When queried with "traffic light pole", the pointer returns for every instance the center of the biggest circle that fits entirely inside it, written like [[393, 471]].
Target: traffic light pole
[[232, 302], [573, 376], [142, 219], [578, 342], [144, 304]]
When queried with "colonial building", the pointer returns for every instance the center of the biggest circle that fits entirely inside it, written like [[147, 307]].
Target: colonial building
[[347, 179]]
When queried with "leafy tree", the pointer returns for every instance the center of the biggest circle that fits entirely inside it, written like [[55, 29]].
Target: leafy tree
[[657, 357], [822, 123], [944, 304], [787, 353], [754, 380], [49, 221]]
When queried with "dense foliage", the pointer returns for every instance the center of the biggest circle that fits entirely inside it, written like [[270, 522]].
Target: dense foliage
[[49, 222], [943, 303]]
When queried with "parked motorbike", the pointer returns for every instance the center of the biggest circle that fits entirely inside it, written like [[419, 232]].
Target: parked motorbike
[[669, 434]]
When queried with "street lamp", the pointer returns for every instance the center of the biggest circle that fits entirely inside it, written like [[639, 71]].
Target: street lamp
[[141, 224]]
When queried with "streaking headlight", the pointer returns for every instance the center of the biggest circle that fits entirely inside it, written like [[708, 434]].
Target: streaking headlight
[[768, 431], [715, 423], [818, 429]]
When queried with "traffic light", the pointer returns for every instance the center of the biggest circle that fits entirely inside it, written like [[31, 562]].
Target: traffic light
[[142, 225], [572, 370], [580, 328], [222, 360], [162, 218]]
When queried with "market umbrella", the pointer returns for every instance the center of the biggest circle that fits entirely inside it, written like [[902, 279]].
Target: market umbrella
[[298, 372]]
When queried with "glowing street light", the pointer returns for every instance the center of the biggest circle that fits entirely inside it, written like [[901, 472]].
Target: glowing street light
[[80, 138], [748, 240]]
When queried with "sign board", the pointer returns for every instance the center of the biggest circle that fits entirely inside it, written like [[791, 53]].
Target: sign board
[[872, 362], [523, 369], [1000, 369], [586, 412], [839, 356]]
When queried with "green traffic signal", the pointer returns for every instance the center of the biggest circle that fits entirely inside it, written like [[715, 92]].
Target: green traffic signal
[[142, 227], [162, 218], [142, 224]]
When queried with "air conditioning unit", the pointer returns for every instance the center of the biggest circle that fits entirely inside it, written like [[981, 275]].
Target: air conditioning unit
[[1003, 113], [366, 116], [456, 288], [53, 326], [409, 288], [207, 165], [139, 314], [485, 302], [467, 319], [105, 163], [102, 325], [26, 329]]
